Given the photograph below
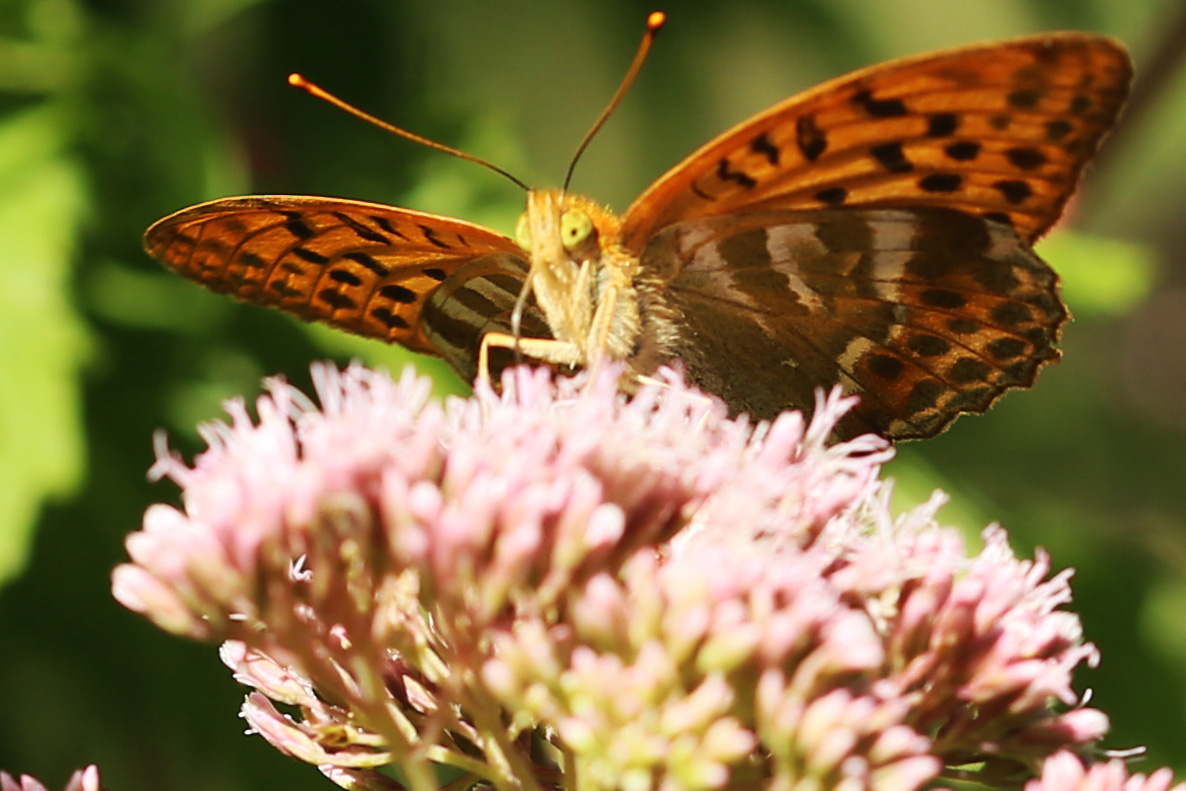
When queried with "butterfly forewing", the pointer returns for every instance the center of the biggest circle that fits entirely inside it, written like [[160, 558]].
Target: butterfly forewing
[[365, 267], [1000, 130], [924, 312]]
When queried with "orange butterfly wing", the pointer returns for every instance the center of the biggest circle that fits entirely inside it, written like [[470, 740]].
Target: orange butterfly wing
[[430, 283], [875, 232], [1001, 130]]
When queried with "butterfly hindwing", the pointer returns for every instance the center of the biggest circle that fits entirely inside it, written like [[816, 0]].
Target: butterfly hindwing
[[1000, 130], [477, 299], [924, 312], [368, 268]]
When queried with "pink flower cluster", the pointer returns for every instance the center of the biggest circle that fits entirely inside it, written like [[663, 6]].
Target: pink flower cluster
[[83, 780], [558, 587]]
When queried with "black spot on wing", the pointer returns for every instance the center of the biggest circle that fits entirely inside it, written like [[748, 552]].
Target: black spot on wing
[[1023, 99], [366, 233], [344, 277], [891, 157], [1058, 129], [386, 225], [214, 246], [309, 255], [879, 108], [283, 289], [336, 299], [962, 326], [367, 262], [430, 235], [252, 261], [885, 366], [941, 182], [398, 293], [811, 141], [995, 276], [966, 370], [1007, 348], [1010, 314], [963, 151], [762, 145], [1025, 157], [1014, 191], [391, 320], [928, 345], [942, 124], [725, 173], [295, 224], [942, 298], [925, 395], [832, 196]]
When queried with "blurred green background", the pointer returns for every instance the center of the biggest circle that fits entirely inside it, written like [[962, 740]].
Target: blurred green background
[[114, 113]]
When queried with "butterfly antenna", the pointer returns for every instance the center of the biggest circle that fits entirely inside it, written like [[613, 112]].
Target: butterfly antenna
[[298, 81], [654, 22]]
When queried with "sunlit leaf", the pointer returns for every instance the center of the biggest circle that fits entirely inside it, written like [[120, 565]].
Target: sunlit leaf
[[1100, 276], [42, 199]]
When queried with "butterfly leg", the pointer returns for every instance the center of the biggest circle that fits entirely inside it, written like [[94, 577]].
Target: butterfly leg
[[616, 328], [543, 349], [602, 324]]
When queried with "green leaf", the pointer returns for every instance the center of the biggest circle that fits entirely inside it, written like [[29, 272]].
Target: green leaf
[[42, 201], [1100, 276]]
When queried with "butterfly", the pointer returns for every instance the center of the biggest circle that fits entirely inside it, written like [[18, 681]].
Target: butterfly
[[874, 232]]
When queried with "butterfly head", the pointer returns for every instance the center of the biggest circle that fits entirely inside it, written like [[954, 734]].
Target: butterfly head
[[560, 226], [564, 235]]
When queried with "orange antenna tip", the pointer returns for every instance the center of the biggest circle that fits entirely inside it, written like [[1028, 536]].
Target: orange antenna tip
[[296, 80], [655, 21]]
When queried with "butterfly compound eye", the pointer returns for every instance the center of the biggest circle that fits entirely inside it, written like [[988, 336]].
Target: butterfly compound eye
[[523, 232], [575, 228]]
